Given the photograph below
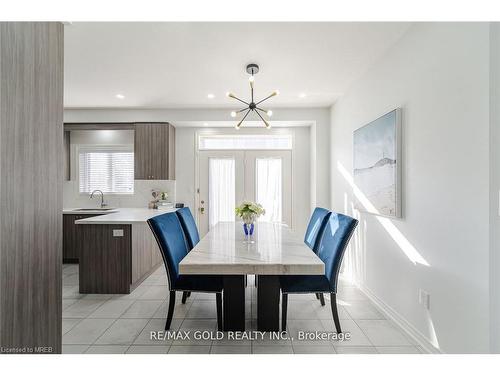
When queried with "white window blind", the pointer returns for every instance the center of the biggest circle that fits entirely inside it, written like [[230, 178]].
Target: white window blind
[[110, 169], [245, 142]]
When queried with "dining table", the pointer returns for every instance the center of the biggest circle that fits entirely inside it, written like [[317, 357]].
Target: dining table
[[273, 250]]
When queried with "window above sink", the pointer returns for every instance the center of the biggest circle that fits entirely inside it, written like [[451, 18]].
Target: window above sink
[[106, 168]]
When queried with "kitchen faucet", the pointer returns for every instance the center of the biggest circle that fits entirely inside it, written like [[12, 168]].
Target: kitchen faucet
[[102, 197]]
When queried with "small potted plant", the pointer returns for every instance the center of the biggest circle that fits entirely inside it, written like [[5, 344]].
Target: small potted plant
[[249, 212], [164, 196]]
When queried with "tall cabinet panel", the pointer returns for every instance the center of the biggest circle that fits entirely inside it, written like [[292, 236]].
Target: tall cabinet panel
[[142, 151], [31, 177], [154, 151]]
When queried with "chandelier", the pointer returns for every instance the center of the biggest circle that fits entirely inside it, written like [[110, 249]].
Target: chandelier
[[252, 69]]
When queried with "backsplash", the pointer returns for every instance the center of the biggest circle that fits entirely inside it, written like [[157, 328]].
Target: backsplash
[[141, 197]]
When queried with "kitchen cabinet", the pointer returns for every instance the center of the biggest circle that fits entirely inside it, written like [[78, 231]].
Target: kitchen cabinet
[[72, 237], [154, 151], [105, 259], [116, 258]]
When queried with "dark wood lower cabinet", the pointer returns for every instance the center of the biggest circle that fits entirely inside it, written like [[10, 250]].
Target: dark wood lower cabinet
[[105, 259], [72, 240], [114, 259]]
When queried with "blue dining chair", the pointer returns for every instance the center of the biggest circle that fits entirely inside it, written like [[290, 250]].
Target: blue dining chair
[[332, 244], [188, 226], [168, 233], [191, 232], [316, 224]]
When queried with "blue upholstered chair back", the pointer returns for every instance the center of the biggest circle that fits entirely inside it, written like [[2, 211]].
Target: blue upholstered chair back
[[168, 232], [333, 242], [189, 226], [315, 226]]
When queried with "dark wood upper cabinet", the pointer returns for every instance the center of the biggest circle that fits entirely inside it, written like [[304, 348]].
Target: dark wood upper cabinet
[[142, 152], [154, 151]]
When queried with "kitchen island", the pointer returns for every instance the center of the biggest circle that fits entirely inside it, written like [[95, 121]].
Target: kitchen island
[[118, 250]]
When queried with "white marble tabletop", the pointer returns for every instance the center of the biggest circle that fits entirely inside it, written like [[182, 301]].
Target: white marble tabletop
[[276, 251], [125, 216]]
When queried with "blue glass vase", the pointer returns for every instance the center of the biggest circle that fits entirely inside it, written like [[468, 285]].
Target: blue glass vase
[[248, 229]]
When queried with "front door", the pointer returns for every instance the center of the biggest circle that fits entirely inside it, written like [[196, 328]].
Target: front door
[[226, 178]]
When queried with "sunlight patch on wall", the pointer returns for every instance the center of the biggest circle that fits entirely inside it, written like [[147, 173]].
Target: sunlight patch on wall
[[432, 332], [408, 249]]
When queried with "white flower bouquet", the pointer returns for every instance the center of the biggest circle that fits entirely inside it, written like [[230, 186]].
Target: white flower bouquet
[[249, 211]]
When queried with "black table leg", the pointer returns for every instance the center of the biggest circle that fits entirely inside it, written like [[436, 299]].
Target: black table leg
[[268, 303], [234, 302]]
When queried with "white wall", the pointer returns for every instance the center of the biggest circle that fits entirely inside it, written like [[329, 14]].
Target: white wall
[[495, 186], [319, 117], [438, 74], [185, 172], [142, 188]]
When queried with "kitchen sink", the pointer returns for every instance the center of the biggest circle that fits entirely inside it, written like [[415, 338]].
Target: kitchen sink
[[95, 209]]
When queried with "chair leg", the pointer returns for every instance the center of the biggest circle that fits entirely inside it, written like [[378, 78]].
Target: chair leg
[[317, 295], [171, 305], [189, 294], [184, 297], [218, 301], [322, 299], [284, 305], [335, 313]]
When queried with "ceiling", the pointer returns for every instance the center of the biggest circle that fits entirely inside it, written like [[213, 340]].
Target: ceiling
[[177, 65]]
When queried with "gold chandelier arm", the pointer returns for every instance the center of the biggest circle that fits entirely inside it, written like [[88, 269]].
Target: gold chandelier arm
[[274, 93], [262, 118], [234, 97], [243, 119]]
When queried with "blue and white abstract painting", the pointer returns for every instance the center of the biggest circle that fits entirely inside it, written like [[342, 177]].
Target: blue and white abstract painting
[[377, 165]]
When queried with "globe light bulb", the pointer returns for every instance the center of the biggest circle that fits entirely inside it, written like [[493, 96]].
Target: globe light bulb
[[269, 113], [251, 79], [233, 114], [277, 92], [228, 94]]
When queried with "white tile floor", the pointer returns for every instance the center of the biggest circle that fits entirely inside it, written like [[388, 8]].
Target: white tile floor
[[116, 324]]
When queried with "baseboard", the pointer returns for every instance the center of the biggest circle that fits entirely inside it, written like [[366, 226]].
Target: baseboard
[[401, 322]]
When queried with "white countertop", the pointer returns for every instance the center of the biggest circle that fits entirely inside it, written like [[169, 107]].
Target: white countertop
[[276, 251], [123, 216], [79, 211]]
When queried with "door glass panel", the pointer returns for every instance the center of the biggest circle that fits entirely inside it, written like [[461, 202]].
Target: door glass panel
[[268, 187], [221, 190]]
